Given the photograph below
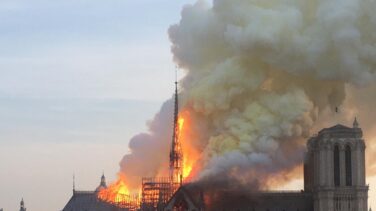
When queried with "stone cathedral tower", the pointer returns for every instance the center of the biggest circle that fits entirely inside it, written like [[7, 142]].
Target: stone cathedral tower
[[334, 169]]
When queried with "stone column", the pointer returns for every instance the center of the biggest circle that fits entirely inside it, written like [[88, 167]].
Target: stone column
[[330, 163], [357, 166], [323, 167], [327, 166], [316, 166], [363, 164], [342, 166]]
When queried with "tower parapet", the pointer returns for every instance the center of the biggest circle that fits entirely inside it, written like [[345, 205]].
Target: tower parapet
[[334, 169]]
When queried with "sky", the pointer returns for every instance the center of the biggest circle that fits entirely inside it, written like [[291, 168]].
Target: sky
[[78, 79]]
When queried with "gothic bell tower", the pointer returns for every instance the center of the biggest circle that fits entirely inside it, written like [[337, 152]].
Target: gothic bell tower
[[334, 169]]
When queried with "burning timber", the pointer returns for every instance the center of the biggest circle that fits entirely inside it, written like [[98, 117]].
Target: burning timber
[[334, 180], [156, 192]]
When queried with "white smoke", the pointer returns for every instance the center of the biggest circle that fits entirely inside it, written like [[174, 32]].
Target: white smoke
[[259, 76], [149, 151]]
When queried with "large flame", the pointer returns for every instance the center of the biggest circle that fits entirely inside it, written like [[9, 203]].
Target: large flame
[[181, 124], [119, 193], [187, 166], [116, 192], [185, 137]]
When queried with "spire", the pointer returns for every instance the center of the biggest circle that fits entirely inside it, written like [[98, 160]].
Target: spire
[[176, 157], [103, 181], [355, 123], [22, 205], [74, 183], [102, 184]]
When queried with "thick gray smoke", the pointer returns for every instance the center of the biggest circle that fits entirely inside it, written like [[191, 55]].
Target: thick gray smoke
[[260, 74]]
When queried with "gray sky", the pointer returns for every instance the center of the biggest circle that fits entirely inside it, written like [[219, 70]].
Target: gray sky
[[78, 79]]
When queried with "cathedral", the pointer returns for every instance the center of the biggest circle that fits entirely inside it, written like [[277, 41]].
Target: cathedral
[[88, 200], [334, 169], [334, 180]]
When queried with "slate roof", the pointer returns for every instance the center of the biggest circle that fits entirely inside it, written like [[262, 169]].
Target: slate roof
[[88, 201], [224, 200], [261, 201]]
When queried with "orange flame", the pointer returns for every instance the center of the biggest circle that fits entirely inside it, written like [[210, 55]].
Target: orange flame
[[181, 124], [118, 193], [115, 193], [189, 156], [187, 166]]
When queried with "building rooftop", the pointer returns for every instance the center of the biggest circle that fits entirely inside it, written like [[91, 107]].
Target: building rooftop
[[342, 131]]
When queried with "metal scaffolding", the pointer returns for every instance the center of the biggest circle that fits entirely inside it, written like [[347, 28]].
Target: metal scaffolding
[[126, 202], [156, 192]]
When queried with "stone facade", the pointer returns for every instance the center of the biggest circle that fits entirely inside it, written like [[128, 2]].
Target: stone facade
[[334, 180], [334, 169]]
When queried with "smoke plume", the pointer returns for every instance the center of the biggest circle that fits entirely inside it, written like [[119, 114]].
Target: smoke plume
[[261, 76]]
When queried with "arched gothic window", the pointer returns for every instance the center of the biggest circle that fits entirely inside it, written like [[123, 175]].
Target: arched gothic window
[[348, 166], [336, 166]]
